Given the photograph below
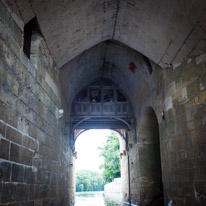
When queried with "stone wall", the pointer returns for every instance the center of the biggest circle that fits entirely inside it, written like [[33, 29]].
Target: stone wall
[[144, 151], [177, 97], [112, 191], [183, 134], [35, 156]]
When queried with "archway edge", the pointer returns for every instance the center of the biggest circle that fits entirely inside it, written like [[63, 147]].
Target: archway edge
[[149, 153], [85, 119], [83, 131], [127, 47], [147, 115]]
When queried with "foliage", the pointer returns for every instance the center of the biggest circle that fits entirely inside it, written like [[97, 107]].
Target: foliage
[[87, 180], [111, 164]]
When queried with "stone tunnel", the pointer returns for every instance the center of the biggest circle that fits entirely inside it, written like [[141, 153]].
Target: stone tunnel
[[135, 66]]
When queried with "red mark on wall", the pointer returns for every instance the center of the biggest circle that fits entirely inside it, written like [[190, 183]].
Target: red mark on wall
[[132, 67]]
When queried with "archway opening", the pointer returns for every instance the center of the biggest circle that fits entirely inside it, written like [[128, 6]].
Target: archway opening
[[103, 105], [98, 163], [150, 175]]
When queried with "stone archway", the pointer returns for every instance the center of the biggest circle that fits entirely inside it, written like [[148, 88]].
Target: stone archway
[[102, 105], [150, 175]]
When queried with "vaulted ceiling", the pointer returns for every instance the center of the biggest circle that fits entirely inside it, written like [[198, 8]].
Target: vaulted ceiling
[[166, 31], [109, 59]]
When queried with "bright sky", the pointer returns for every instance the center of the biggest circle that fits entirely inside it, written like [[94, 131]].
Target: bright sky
[[87, 152]]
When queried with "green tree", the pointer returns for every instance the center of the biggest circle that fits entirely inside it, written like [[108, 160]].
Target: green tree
[[81, 187], [110, 152], [87, 184], [87, 180]]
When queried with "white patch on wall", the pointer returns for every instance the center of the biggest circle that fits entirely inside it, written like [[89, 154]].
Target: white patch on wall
[[22, 125], [202, 86], [184, 96], [171, 89], [35, 43], [175, 65], [59, 113], [168, 103]]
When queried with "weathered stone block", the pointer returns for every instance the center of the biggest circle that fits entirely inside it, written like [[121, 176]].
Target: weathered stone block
[[179, 108], [29, 175], [189, 114], [33, 131], [4, 112], [5, 171], [17, 173], [200, 99], [22, 189], [34, 191], [40, 177], [42, 149], [43, 190], [34, 145], [184, 96], [26, 141], [4, 13], [21, 155], [44, 177], [17, 34], [26, 156], [9, 192], [193, 89], [14, 135], [202, 86], [13, 118], [38, 160], [2, 130], [39, 107], [14, 153], [176, 143], [30, 143], [4, 149]]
